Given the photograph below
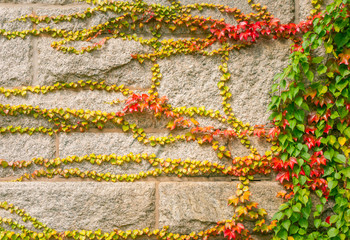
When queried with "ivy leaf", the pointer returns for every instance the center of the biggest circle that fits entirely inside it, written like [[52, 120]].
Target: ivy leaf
[[310, 75], [303, 223], [346, 172], [340, 158], [125, 128], [344, 56], [317, 223], [332, 184], [317, 59], [332, 232], [321, 69], [294, 229], [341, 39], [286, 224], [333, 219], [299, 101], [347, 132], [292, 123], [282, 234], [4, 164], [299, 115], [278, 216], [297, 207]]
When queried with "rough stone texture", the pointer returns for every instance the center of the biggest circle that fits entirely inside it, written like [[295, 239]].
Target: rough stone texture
[[191, 150], [81, 144], [202, 122], [15, 54], [188, 207], [260, 144], [252, 72], [56, 66], [85, 205], [8, 174], [283, 10], [191, 81], [121, 144], [26, 147], [86, 99], [264, 193], [15, 64], [24, 121], [239, 150], [40, 1], [107, 143], [188, 80], [7, 14], [73, 25]]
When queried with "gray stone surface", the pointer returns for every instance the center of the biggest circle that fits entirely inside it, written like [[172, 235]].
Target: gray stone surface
[[8, 174], [15, 54], [127, 168], [122, 143], [202, 122], [73, 25], [252, 72], [264, 193], [85, 99], [115, 54], [283, 10], [15, 147], [101, 143], [191, 150], [16, 62], [8, 14], [24, 121], [188, 207], [187, 81], [85, 205], [239, 150], [40, 1], [191, 81], [260, 144]]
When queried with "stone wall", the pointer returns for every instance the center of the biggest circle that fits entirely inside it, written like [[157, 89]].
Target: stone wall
[[185, 204]]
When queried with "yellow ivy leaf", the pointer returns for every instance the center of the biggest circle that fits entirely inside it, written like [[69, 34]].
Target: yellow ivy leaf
[[342, 140]]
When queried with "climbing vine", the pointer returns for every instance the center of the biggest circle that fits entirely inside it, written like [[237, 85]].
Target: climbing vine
[[309, 137], [312, 118]]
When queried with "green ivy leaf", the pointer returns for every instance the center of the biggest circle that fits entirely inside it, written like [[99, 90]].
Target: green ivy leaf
[[332, 232], [278, 216], [286, 224], [310, 76], [317, 223], [303, 223], [346, 172]]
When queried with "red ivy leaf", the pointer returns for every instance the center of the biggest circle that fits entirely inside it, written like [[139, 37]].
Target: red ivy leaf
[[283, 176], [344, 56]]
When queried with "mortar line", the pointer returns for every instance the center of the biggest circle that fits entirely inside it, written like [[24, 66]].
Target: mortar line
[[156, 210], [35, 55], [43, 5], [57, 145], [296, 11], [150, 180]]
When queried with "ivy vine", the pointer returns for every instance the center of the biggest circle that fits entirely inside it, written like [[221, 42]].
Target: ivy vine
[[310, 137]]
